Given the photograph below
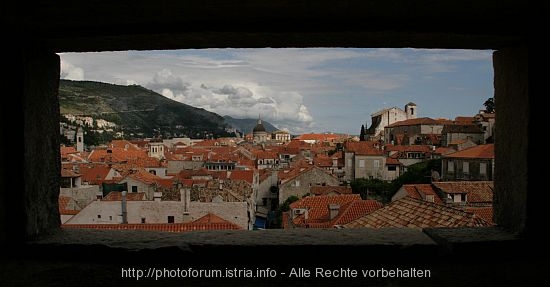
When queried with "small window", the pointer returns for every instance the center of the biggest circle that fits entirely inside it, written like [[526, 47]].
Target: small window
[[483, 168], [376, 163], [450, 166], [392, 168], [465, 167], [361, 163], [134, 188], [170, 219], [110, 218], [143, 220], [99, 216], [349, 162]]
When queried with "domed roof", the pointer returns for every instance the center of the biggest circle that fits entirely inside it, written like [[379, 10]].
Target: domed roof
[[259, 127]]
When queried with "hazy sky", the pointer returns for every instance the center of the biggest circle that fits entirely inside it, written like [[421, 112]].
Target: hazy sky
[[301, 90]]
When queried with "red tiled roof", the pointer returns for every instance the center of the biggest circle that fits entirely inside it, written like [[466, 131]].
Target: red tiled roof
[[66, 150], [464, 119], [484, 212], [246, 175], [130, 196], [420, 190], [318, 137], [327, 189], [392, 161], [355, 210], [68, 173], [159, 227], [211, 218], [123, 144], [444, 150], [415, 213], [318, 205], [144, 176], [363, 148], [95, 174], [351, 207], [64, 203], [415, 122], [486, 151], [408, 148], [478, 191], [322, 161]]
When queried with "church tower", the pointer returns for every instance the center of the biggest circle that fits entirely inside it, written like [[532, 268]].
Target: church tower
[[79, 140], [411, 110]]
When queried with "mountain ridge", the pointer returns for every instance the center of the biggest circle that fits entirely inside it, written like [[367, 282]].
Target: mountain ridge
[[138, 110]]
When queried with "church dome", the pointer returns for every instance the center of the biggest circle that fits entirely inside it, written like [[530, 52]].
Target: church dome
[[259, 127]]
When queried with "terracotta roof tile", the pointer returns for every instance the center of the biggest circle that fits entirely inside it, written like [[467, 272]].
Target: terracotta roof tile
[[159, 227], [416, 213], [486, 151], [68, 173], [67, 206], [130, 196], [477, 191], [415, 122], [484, 212], [324, 190], [350, 207], [246, 175]]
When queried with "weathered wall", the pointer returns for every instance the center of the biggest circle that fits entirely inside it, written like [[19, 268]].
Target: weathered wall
[[511, 83], [41, 144], [158, 212]]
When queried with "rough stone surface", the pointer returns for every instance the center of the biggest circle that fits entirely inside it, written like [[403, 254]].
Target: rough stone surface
[[511, 138], [41, 146]]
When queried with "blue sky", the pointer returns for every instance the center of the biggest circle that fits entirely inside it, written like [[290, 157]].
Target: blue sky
[[301, 90]]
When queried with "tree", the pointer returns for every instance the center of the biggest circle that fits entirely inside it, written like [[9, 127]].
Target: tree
[[490, 106], [362, 134]]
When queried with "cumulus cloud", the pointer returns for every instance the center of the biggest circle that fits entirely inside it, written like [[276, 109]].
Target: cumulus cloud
[[241, 100], [165, 79], [70, 72]]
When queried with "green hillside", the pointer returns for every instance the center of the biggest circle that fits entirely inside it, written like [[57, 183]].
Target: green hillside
[[138, 110]]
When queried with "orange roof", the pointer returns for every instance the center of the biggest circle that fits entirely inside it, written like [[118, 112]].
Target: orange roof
[[351, 207], [416, 213], [478, 191], [484, 212], [420, 190], [322, 160], [246, 175], [486, 151], [94, 174], [66, 150], [130, 196], [160, 227], [464, 119], [363, 148], [355, 210], [68, 173], [64, 203], [415, 122], [327, 189], [144, 176], [123, 144], [211, 218], [318, 137]]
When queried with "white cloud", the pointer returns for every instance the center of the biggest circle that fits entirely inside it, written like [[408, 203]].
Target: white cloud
[[70, 72]]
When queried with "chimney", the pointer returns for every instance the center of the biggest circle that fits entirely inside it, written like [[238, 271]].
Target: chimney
[[124, 212], [157, 196], [99, 195], [333, 210], [185, 197]]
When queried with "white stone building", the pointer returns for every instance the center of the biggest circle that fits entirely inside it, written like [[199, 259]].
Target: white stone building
[[386, 117]]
